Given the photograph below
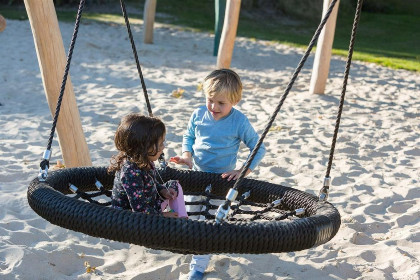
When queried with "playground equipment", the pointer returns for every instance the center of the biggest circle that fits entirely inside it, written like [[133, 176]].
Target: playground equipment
[[2, 23], [52, 60], [315, 220]]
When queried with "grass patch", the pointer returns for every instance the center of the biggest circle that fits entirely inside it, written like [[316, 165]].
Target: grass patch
[[386, 39]]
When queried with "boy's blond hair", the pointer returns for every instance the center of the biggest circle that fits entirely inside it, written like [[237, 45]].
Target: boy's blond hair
[[223, 81]]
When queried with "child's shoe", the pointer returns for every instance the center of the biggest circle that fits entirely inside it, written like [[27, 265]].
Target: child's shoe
[[195, 275]]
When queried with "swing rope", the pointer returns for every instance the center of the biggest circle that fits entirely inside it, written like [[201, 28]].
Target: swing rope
[[344, 86], [161, 159], [286, 92], [224, 209], [133, 46], [45, 163], [323, 193]]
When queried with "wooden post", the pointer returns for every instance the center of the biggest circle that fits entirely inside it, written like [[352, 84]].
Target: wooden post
[[219, 9], [323, 51], [52, 61], [149, 20], [2, 23], [227, 40]]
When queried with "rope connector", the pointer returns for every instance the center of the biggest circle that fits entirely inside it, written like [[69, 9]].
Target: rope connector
[[43, 174], [323, 193], [221, 213], [73, 188], [276, 202], [47, 155], [245, 195], [162, 162], [99, 185], [223, 210], [232, 194], [300, 212], [43, 171]]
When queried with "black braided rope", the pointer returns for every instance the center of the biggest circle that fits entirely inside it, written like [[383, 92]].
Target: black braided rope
[[88, 197], [344, 87], [136, 58], [45, 162], [50, 201], [133, 46], [66, 72], [262, 208], [285, 94]]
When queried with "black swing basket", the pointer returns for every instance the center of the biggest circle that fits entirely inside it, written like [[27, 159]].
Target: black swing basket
[[50, 200]]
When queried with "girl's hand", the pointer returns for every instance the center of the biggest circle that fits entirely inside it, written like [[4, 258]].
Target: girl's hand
[[170, 214], [234, 174], [182, 160], [168, 193]]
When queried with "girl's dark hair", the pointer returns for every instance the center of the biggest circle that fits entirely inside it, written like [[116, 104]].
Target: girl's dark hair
[[135, 136]]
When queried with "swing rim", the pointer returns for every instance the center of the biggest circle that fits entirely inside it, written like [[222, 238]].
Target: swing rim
[[49, 200]]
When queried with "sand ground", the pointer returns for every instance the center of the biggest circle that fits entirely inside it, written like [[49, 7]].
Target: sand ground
[[375, 172]]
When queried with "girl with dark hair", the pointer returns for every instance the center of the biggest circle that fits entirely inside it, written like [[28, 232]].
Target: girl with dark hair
[[140, 141]]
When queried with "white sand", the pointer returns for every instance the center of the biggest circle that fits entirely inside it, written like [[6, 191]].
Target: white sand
[[375, 172]]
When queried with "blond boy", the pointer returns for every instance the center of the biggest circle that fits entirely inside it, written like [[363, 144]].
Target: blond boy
[[214, 134]]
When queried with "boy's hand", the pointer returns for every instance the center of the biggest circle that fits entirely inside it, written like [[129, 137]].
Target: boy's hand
[[182, 160], [170, 214], [234, 174], [168, 193]]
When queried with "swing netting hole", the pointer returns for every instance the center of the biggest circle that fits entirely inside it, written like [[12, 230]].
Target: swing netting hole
[[203, 205]]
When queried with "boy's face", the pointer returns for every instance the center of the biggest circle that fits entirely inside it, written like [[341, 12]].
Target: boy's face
[[219, 106]]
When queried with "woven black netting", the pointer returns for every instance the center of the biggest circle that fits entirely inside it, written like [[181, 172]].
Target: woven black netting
[[51, 200]]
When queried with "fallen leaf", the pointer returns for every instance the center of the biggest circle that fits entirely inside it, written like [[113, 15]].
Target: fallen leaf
[[177, 93]]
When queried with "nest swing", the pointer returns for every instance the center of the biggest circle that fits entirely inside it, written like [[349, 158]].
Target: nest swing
[[286, 219]]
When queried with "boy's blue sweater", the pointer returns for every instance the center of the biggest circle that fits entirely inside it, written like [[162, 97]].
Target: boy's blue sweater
[[215, 144]]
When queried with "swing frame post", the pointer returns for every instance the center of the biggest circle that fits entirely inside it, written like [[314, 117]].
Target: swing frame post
[[52, 62], [219, 11], [227, 40], [149, 20], [321, 66]]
